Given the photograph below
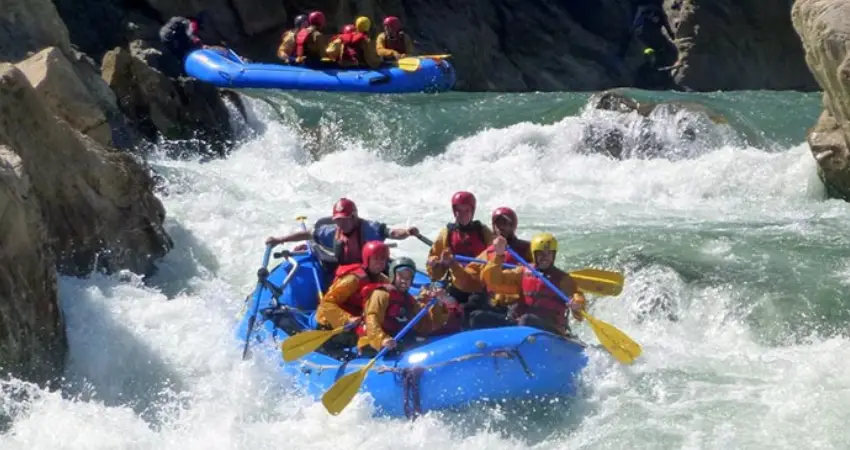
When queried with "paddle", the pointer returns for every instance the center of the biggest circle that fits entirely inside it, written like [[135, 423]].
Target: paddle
[[412, 63], [303, 219], [261, 276], [341, 393], [307, 342], [594, 281], [622, 347]]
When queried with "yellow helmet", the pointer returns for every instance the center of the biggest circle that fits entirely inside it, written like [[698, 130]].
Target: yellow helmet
[[543, 241], [363, 24]]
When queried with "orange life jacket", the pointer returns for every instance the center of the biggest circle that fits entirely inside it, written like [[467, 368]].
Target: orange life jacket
[[466, 243], [396, 43], [399, 310], [354, 304], [538, 299], [352, 49]]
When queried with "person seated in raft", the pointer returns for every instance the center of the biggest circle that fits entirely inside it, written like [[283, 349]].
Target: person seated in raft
[[393, 44], [342, 305], [346, 235], [388, 308], [465, 237], [504, 223], [310, 43], [354, 48], [287, 42], [535, 305]]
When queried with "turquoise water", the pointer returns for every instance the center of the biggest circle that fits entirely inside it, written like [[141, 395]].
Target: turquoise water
[[736, 268]]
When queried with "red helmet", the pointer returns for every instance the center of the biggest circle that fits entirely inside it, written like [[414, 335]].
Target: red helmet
[[374, 249], [317, 19], [348, 29], [392, 23], [463, 198], [504, 211], [344, 208]]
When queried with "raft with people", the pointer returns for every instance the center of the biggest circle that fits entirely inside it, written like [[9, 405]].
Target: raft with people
[[287, 315], [227, 69]]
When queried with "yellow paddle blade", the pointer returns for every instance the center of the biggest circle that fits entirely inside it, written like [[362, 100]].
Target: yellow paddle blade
[[601, 282], [301, 344], [409, 64], [622, 347], [341, 393]]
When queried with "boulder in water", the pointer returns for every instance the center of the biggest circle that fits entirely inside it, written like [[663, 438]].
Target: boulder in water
[[824, 27]]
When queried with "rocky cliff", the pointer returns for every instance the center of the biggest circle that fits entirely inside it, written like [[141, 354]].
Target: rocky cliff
[[504, 45], [824, 27]]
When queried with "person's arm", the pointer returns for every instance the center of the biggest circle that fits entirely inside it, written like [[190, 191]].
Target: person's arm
[[376, 310], [402, 233], [436, 270], [499, 280], [293, 237], [408, 45], [371, 58], [381, 47], [568, 286], [329, 311]]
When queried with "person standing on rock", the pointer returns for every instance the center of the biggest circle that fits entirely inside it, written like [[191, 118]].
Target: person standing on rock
[[393, 43], [180, 37], [648, 27]]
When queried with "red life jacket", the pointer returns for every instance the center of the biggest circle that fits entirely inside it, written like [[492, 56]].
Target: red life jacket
[[396, 43], [520, 246], [466, 243], [347, 251], [538, 299], [351, 46], [398, 314], [300, 40], [354, 304]]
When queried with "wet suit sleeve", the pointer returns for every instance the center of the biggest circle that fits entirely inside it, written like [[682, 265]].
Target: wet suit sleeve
[[465, 278], [329, 312], [287, 46], [375, 311], [371, 57], [434, 320], [501, 281], [568, 286], [437, 272], [381, 47]]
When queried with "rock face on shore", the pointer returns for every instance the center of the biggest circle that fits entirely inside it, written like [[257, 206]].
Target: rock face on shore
[[824, 27], [503, 45]]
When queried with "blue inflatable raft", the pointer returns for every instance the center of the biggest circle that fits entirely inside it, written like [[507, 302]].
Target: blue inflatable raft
[[228, 70], [438, 373]]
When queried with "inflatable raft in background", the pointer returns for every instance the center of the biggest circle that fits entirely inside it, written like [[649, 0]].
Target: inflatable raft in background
[[440, 373], [229, 71]]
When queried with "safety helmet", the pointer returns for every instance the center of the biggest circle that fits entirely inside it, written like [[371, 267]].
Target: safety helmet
[[348, 28], [504, 211], [363, 24], [344, 208], [543, 241], [392, 23], [374, 249], [300, 21], [648, 51], [463, 198], [317, 19], [401, 263]]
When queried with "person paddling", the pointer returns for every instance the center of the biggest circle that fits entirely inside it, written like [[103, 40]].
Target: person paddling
[[345, 236], [388, 308], [342, 305], [534, 303], [464, 237]]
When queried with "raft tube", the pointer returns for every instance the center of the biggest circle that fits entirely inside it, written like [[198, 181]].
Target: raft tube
[[227, 70], [437, 374]]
